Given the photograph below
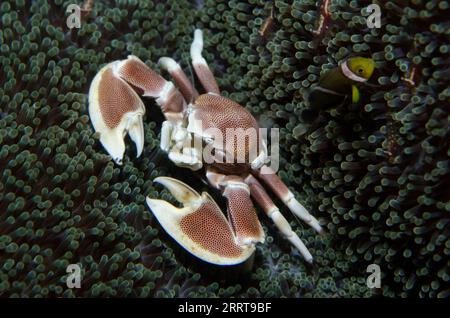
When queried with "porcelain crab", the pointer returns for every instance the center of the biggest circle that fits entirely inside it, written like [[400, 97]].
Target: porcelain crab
[[193, 122]]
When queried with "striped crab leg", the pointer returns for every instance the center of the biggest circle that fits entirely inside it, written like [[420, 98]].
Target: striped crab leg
[[269, 177], [200, 65], [265, 202], [182, 81]]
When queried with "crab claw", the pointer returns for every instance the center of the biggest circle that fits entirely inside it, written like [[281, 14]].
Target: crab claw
[[115, 109], [199, 226]]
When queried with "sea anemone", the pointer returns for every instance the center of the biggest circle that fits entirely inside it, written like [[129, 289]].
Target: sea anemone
[[376, 173]]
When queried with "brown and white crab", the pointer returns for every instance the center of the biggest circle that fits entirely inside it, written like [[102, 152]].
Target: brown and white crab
[[200, 226]]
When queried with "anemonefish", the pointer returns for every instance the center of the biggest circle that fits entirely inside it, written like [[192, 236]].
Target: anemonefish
[[340, 83]]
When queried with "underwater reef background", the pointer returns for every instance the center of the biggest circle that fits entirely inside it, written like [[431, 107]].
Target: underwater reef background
[[376, 173]]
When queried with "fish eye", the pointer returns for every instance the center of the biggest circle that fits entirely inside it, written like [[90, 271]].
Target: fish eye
[[360, 71]]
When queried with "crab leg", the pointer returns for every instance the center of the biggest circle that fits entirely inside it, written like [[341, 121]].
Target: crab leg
[[199, 226], [270, 178], [265, 202], [183, 83], [147, 81], [241, 212], [201, 68]]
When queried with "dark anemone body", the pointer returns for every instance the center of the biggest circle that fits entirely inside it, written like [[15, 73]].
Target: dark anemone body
[[377, 176]]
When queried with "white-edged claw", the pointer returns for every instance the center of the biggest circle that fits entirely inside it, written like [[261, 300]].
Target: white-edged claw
[[136, 131], [181, 192], [115, 109], [199, 226], [113, 142]]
